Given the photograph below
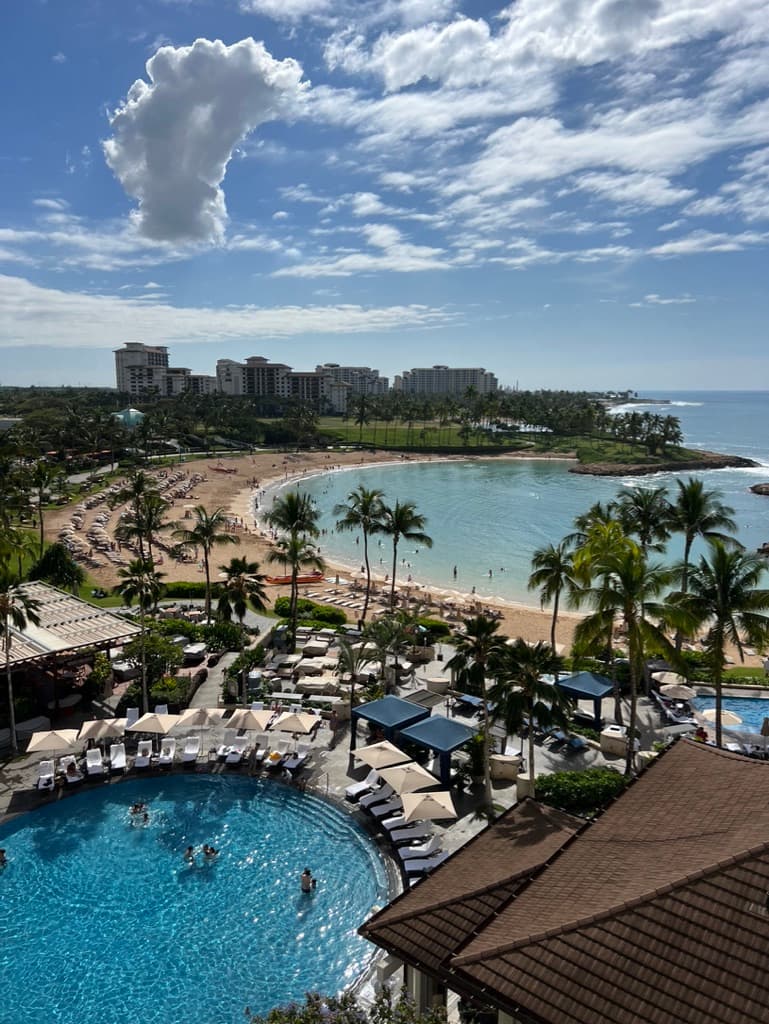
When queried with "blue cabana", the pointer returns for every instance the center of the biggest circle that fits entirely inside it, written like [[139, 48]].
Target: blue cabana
[[390, 713], [588, 686], [442, 735]]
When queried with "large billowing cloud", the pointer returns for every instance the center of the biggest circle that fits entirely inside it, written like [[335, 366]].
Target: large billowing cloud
[[174, 135]]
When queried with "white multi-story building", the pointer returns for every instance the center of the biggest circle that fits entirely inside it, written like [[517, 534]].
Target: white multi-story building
[[141, 368], [445, 380], [362, 379]]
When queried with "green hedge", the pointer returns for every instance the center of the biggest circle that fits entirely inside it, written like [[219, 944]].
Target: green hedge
[[308, 610], [186, 589], [584, 792]]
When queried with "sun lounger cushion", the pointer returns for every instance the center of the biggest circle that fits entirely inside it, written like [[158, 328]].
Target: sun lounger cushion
[[427, 849], [377, 797], [44, 775], [143, 754], [387, 809], [358, 789], [117, 761], [94, 762], [421, 865], [191, 749], [237, 750], [417, 833], [167, 752]]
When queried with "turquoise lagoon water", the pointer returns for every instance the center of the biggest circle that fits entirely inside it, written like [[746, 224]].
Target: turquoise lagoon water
[[752, 710], [104, 921], [494, 514]]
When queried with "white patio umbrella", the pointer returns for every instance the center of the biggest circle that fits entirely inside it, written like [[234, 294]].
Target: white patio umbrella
[[678, 691], [153, 722], [669, 678], [408, 777], [101, 728], [200, 718], [380, 755], [296, 721], [428, 806], [245, 718], [727, 717], [51, 740]]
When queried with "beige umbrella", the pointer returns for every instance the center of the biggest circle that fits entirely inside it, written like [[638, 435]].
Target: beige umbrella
[[200, 718], [52, 739], [101, 728], [727, 717], [380, 755], [245, 718], [296, 721], [669, 678], [678, 691], [428, 806], [408, 777], [153, 722]]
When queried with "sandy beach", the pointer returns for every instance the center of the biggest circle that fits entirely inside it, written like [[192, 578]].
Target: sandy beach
[[231, 483]]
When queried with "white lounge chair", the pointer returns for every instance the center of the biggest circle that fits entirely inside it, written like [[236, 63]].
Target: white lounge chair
[[237, 751], [297, 760], [421, 865], [143, 757], [167, 752], [44, 775], [117, 759], [191, 750], [226, 745], [257, 705], [387, 809], [262, 746], [377, 797], [161, 709], [358, 789], [427, 849], [415, 834], [94, 762], [131, 716], [397, 821]]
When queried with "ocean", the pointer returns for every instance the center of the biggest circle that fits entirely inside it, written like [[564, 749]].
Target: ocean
[[487, 517]]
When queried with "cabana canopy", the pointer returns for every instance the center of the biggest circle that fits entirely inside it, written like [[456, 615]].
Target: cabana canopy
[[390, 713], [442, 735], [588, 686]]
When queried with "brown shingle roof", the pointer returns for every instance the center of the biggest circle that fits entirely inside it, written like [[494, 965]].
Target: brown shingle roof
[[655, 912]]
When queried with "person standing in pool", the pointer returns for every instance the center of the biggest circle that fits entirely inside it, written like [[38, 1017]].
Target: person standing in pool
[[306, 881], [3, 859]]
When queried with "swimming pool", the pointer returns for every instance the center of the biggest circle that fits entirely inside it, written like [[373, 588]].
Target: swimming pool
[[103, 920], [752, 710]]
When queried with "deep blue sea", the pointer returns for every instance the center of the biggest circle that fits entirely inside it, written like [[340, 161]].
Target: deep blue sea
[[487, 517]]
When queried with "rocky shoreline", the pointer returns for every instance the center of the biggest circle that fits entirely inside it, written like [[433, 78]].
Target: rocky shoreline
[[760, 489], [704, 461]]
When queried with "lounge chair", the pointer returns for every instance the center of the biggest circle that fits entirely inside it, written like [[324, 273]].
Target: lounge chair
[[297, 760], [68, 765], [397, 821], [237, 750], [379, 796], [358, 789], [94, 762], [257, 705], [191, 750], [131, 716], [421, 865], [161, 709], [411, 834], [117, 760], [388, 808], [426, 849], [167, 752], [226, 745], [44, 775], [262, 746], [576, 745], [143, 757]]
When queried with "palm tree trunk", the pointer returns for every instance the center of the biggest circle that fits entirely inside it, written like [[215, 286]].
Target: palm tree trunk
[[145, 694], [684, 585], [208, 584], [293, 607], [530, 765], [718, 670], [40, 521], [368, 575], [488, 800], [392, 582], [633, 653], [11, 708]]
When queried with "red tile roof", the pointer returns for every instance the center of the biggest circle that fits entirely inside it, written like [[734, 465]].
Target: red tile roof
[[655, 912]]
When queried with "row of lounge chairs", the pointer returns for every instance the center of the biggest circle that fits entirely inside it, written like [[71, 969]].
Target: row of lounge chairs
[[673, 712]]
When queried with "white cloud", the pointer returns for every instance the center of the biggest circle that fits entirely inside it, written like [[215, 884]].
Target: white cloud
[[50, 204], [671, 225], [59, 58], [286, 10], [639, 191], [658, 300], [281, 215], [710, 241], [174, 137], [35, 316]]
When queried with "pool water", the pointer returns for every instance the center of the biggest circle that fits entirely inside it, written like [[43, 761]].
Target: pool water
[[103, 920], [752, 710]]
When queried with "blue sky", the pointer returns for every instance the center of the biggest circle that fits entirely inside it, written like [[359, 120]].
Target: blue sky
[[571, 193]]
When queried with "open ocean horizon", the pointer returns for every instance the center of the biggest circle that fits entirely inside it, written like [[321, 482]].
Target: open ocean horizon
[[488, 516]]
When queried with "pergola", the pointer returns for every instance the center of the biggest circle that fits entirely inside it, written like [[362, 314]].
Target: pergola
[[588, 686], [390, 713], [442, 735]]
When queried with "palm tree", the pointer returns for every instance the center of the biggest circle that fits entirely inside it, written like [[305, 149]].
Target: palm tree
[[294, 513], [474, 650], [295, 552], [698, 512], [520, 696], [140, 581], [724, 592], [552, 572], [209, 530], [243, 585], [352, 661], [17, 609], [363, 511], [43, 477], [402, 520], [645, 513], [387, 634]]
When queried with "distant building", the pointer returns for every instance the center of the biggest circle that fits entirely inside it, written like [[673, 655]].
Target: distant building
[[445, 380], [259, 376], [142, 369], [362, 380]]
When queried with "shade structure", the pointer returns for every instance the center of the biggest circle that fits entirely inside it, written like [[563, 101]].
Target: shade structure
[[245, 718], [428, 806], [669, 678], [381, 755], [442, 735], [677, 691], [52, 739], [102, 728], [408, 777], [588, 686], [200, 718], [296, 721], [389, 713], [727, 717], [153, 722]]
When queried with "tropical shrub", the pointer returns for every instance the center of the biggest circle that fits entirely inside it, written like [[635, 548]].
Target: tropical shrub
[[249, 659], [223, 636], [583, 793], [436, 628], [346, 1009]]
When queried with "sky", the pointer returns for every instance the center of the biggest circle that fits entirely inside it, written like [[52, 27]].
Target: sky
[[569, 193]]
